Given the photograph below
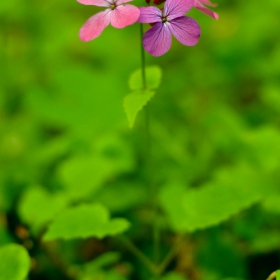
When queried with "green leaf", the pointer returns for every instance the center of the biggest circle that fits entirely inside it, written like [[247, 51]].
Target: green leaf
[[82, 175], [192, 209], [265, 241], [153, 78], [15, 262], [85, 221], [102, 267], [262, 147], [134, 102], [38, 198], [102, 261], [121, 196]]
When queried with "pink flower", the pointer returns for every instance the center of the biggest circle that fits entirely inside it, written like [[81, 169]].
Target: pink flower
[[199, 4], [170, 20], [118, 14]]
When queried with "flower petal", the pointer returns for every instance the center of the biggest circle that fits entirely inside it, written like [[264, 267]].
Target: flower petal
[[205, 2], [157, 40], [208, 12], [95, 25], [100, 3], [124, 15], [118, 2], [149, 14], [186, 30], [199, 4], [177, 8]]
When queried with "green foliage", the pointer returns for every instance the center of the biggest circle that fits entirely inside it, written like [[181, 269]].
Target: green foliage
[[189, 210], [173, 276], [153, 76], [65, 146], [15, 262], [134, 102], [101, 268], [37, 207], [85, 221], [122, 197]]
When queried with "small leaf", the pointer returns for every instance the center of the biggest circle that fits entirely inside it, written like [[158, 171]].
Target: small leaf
[[38, 198], [134, 102], [99, 263], [85, 221], [153, 78], [15, 262]]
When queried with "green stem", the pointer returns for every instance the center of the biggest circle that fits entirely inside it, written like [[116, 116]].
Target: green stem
[[133, 249], [152, 187], [69, 271], [162, 267]]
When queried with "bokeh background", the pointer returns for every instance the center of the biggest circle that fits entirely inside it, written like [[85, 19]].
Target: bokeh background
[[63, 129]]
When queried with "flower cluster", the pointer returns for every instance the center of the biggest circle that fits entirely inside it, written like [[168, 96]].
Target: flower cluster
[[167, 21]]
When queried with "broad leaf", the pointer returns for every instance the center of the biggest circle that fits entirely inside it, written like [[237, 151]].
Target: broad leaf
[[85, 221], [153, 78], [15, 262], [262, 147], [134, 102], [38, 198], [231, 191], [83, 175]]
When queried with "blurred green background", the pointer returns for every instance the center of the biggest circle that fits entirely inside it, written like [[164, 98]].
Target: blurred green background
[[63, 130]]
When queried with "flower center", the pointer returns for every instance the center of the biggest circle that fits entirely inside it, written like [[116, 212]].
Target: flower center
[[164, 19], [113, 6]]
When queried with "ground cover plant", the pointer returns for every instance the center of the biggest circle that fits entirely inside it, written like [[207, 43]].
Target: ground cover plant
[[126, 154]]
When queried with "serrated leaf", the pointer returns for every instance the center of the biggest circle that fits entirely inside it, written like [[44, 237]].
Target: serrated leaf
[[134, 102], [153, 78], [189, 210], [15, 262], [38, 198], [85, 221]]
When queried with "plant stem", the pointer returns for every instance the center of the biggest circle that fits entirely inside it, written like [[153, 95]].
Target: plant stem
[[143, 62], [133, 249], [151, 185], [69, 271], [170, 256]]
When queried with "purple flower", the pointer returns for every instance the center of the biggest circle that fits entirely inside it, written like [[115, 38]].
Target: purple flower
[[199, 4], [119, 14], [170, 20]]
